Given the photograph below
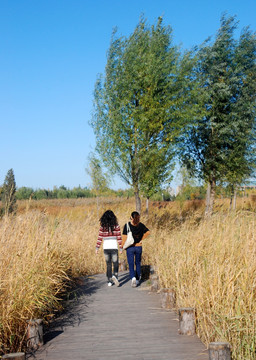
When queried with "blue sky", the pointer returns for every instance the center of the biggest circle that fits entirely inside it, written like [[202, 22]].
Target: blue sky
[[50, 54]]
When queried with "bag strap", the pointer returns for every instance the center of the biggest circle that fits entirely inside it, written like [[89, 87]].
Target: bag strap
[[128, 227]]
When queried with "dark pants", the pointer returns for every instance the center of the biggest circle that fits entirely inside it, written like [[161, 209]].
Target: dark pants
[[134, 253], [111, 257]]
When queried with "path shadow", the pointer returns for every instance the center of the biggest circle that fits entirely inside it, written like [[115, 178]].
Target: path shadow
[[74, 310], [50, 335], [75, 306], [123, 279], [145, 274]]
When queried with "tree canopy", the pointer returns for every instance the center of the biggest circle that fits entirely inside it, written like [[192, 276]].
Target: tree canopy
[[219, 144], [138, 106], [100, 181], [8, 195]]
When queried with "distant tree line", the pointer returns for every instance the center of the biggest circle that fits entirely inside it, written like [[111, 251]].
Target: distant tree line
[[62, 192], [24, 193], [9, 193], [188, 190]]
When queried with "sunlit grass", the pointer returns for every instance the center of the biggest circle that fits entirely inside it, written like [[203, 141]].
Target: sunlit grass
[[212, 267], [211, 263]]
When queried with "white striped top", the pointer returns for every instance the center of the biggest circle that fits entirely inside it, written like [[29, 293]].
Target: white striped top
[[111, 240]]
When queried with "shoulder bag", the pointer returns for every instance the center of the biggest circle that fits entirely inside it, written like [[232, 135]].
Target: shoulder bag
[[130, 240]]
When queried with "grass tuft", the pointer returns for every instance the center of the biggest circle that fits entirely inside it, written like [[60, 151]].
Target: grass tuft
[[211, 263]]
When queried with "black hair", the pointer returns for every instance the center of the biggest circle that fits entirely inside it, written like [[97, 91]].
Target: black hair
[[108, 221], [136, 217]]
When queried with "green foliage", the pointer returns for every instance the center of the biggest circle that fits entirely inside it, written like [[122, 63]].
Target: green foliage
[[189, 188], [24, 193], [189, 192], [138, 106], [41, 194], [9, 193], [162, 195], [79, 192], [220, 144], [128, 193], [62, 192], [99, 180]]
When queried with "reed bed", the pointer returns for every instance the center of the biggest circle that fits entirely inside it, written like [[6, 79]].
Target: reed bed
[[44, 249], [211, 263], [212, 267]]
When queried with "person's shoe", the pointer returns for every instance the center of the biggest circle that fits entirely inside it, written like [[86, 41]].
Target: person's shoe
[[110, 283], [114, 278], [134, 282]]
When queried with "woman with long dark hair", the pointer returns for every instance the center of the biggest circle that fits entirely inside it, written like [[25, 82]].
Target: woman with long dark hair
[[110, 234], [134, 252]]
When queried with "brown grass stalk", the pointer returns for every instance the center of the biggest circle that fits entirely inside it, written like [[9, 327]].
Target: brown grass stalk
[[211, 263], [212, 267]]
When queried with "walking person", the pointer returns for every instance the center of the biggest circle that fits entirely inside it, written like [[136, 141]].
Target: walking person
[[110, 234], [134, 252]]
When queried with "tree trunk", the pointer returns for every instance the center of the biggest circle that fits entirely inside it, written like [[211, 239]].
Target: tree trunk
[[207, 205], [234, 201], [147, 202], [231, 201], [138, 201], [210, 197], [232, 204]]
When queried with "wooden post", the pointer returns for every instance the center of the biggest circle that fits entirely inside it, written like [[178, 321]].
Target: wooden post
[[219, 351], [122, 265], [187, 321], [168, 298], [15, 356], [154, 283], [35, 334]]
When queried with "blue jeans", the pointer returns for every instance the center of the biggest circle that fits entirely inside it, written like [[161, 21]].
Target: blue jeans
[[111, 257], [134, 253]]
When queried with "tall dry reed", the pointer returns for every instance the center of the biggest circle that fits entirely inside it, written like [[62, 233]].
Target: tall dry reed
[[210, 263], [212, 267], [42, 248]]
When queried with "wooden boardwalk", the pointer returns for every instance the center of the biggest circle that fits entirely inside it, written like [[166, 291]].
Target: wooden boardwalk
[[118, 323]]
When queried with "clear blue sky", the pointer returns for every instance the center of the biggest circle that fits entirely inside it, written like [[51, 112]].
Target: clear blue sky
[[50, 54]]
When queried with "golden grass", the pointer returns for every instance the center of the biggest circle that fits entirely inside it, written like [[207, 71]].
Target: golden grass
[[212, 267], [211, 263], [42, 248]]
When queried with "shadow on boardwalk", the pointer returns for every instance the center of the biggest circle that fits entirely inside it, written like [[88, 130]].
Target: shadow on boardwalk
[[117, 323]]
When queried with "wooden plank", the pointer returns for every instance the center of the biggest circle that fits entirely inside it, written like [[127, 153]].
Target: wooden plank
[[118, 323]]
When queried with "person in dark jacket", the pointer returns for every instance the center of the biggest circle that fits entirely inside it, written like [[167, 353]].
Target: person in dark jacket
[[134, 252]]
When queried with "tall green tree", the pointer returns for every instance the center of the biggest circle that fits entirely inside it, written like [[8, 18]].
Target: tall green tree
[[158, 174], [219, 145], [137, 105], [242, 156], [99, 180], [8, 193]]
